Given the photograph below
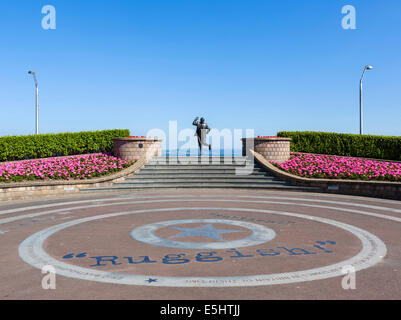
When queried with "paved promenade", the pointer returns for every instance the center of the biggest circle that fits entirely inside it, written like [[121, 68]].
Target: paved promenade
[[201, 244]]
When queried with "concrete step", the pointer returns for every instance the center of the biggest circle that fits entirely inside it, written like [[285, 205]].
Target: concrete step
[[192, 164], [194, 160], [134, 182], [194, 172], [189, 173], [200, 177], [194, 167], [200, 163], [216, 173], [198, 157], [197, 168], [207, 186]]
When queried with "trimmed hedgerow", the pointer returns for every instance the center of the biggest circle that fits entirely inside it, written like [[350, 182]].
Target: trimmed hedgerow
[[60, 144], [350, 145]]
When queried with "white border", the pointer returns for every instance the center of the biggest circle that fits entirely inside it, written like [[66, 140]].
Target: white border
[[261, 234]]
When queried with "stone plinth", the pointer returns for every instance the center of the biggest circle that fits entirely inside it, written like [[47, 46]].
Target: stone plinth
[[275, 149], [131, 149]]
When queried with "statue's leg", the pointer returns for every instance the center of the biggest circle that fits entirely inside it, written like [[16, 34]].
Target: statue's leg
[[200, 145], [207, 145]]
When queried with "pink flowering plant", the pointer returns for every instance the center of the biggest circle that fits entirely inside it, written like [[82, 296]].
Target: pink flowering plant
[[62, 168], [336, 167]]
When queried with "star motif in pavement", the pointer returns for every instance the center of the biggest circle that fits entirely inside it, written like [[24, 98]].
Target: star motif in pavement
[[207, 231], [151, 280]]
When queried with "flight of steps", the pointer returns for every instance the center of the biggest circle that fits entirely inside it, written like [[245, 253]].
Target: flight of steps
[[205, 172]]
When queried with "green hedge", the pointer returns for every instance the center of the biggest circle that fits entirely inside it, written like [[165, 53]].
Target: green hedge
[[352, 145], [60, 144]]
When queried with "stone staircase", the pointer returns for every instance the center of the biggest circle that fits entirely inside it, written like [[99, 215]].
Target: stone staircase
[[205, 172]]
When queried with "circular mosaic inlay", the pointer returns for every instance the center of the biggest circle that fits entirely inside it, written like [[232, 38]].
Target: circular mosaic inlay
[[146, 234]]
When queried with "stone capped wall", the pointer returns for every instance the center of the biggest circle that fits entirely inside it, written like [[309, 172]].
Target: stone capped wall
[[131, 149], [273, 149]]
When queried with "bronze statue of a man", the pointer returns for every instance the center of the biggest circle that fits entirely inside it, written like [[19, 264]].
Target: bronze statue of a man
[[202, 130]]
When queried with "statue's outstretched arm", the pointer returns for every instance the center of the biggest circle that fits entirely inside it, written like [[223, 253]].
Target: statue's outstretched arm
[[195, 123]]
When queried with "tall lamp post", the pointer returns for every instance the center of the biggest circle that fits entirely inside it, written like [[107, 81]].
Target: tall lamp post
[[360, 100], [36, 99]]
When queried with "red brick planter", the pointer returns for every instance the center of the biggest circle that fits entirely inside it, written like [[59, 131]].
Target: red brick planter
[[272, 148], [132, 149]]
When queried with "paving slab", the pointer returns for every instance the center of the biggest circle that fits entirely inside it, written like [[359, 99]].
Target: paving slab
[[213, 244]]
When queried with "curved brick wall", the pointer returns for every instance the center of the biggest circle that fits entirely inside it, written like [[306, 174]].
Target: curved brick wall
[[275, 149], [132, 149]]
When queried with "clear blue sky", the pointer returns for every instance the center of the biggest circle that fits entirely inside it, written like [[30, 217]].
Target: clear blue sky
[[267, 65]]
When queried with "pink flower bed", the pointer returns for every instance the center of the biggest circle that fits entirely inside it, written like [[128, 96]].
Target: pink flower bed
[[62, 168], [335, 167]]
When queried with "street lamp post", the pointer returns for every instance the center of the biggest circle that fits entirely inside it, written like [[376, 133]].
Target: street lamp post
[[360, 100], [36, 100]]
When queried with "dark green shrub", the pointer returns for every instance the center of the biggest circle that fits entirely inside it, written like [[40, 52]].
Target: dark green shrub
[[59, 144], [351, 145]]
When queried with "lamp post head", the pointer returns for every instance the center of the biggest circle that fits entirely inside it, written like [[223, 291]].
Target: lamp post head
[[368, 67], [34, 77]]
